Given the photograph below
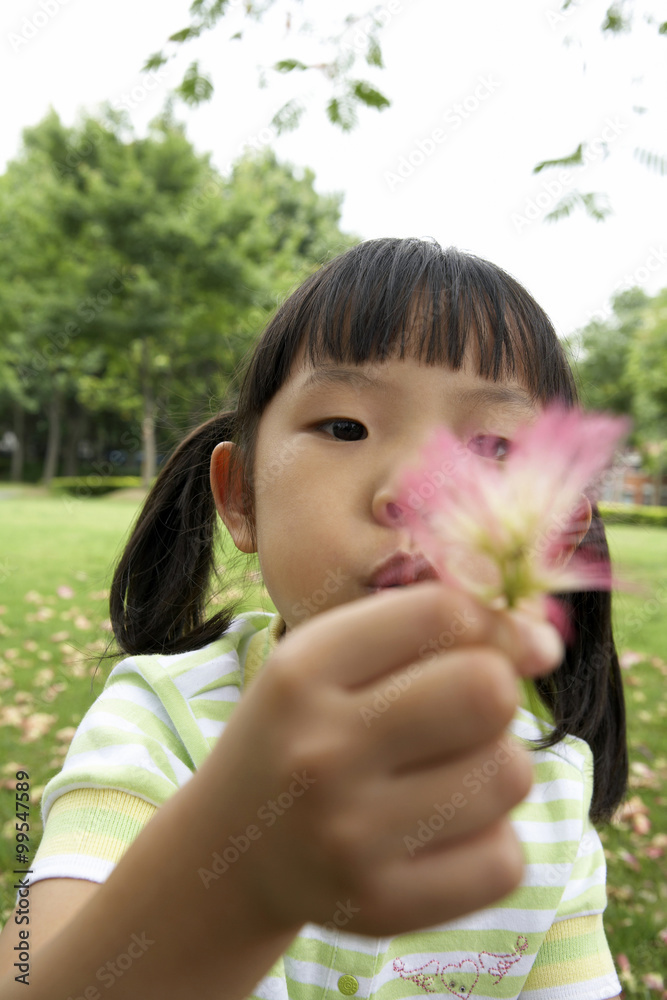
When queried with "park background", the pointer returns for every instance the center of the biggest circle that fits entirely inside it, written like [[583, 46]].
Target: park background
[[151, 220]]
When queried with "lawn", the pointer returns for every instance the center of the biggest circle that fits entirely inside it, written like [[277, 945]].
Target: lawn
[[56, 557]]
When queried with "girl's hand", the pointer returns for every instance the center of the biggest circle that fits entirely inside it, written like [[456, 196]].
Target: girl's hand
[[369, 768]]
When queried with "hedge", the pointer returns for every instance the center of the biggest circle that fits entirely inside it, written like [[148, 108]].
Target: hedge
[[93, 485], [627, 513]]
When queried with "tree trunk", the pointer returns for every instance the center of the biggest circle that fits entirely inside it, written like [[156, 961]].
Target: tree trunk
[[657, 483], [18, 455], [75, 429], [53, 442], [149, 450]]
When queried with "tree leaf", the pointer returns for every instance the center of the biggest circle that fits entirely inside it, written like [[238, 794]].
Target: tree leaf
[[287, 118], [195, 88], [287, 65], [654, 161], [573, 160], [367, 94], [341, 112], [595, 205], [615, 21], [374, 53], [154, 62], [184, 34]]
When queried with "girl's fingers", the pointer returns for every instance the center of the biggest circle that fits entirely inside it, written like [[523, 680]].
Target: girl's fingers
[[440, 710], [425, 809], [359, 642], [438, 885]]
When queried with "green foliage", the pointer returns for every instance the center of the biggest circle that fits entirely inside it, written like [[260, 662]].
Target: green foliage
[[602, 359], [595, 205], [618, 20], [624, 513], [369, 95], [287, 65], [197, 87], [92, 486], [287, 118], [654, 161], [574, 159], [138, 275]]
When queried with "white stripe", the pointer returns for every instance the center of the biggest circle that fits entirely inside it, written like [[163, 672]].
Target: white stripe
[[550, 832], [601, 988], [83, 866], [552, 791], [193, 680], [123, 755], [129, 690], [211, 728], [577, 886], [102, 717]]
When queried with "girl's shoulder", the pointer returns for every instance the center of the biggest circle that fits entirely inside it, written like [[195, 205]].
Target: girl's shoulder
[[215, 663]]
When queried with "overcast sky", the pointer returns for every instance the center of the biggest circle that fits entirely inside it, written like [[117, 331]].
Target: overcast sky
[[481, 91]]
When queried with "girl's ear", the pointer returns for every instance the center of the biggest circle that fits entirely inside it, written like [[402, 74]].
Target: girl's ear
[[581, 522], [226, 484]]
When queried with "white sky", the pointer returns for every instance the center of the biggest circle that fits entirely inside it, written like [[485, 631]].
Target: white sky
[[546, 97]]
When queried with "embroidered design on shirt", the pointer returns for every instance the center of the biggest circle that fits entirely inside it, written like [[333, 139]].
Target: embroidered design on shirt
[[461, 978]]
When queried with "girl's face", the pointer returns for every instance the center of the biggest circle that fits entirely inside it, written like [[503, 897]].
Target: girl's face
[[330, 444]]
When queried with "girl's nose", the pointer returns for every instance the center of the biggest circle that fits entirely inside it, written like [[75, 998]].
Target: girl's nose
[[387, 511]]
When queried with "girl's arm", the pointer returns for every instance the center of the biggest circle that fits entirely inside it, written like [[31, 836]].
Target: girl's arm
[[183, 940], [306, 800]]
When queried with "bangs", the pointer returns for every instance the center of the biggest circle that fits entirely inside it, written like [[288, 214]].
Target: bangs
[[390, 298]]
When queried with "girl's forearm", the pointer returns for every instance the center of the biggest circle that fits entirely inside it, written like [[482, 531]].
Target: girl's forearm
[[160, 926]]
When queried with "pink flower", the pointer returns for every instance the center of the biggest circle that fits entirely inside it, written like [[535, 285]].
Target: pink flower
[[506, 530]]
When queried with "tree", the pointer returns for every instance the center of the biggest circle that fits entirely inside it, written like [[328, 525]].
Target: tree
[[138, 274], [648, 371], [621, 366]]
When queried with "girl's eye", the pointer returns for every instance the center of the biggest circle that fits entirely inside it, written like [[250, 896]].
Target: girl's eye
[[490, 446], [345, 430]]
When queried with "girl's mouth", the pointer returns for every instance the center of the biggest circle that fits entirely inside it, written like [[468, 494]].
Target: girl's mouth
[[400, 570]]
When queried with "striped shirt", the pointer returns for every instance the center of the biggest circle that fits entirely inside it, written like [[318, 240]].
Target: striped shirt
[[157, 719]]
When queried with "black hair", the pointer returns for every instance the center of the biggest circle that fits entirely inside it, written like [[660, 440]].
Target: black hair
[[383, 298]]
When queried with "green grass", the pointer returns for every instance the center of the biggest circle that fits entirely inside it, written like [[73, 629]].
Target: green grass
[[56, 557]]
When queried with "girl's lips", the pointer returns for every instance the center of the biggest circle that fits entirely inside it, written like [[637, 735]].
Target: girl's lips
[[400, 570]]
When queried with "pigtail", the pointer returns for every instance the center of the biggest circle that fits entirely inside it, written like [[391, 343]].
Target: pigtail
[[160, 587], [585, 695]]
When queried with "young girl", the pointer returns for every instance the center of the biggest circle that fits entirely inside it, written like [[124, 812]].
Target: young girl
[[314, 804]]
